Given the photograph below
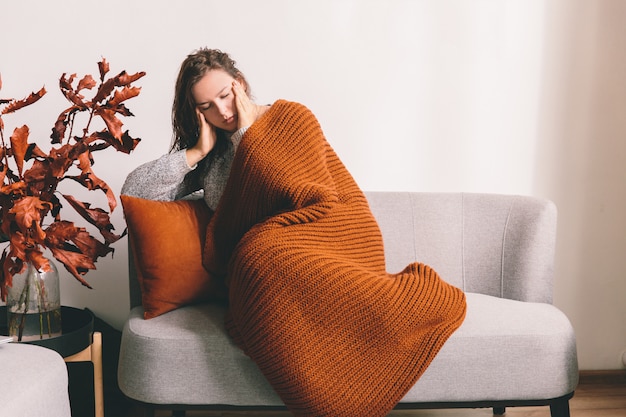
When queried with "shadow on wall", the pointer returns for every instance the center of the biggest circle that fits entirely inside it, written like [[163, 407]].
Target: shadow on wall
[[580, 165]]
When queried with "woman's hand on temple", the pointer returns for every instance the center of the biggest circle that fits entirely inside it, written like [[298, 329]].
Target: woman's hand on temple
[[247, 111], [206, 141]]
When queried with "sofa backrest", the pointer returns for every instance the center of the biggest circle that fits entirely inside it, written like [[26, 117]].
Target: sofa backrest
[[494, 244]]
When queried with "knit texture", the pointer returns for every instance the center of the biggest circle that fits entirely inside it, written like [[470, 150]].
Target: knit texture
[[310, 299]]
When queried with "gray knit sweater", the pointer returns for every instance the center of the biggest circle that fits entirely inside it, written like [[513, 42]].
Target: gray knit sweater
[[171, 178]]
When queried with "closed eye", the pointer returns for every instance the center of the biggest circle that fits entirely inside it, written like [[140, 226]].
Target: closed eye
[[206, 106]]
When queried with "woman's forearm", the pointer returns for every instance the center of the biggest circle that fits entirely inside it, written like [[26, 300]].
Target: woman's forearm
[[161, 179]]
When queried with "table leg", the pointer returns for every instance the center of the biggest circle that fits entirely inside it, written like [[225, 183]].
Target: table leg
[[93, 353]]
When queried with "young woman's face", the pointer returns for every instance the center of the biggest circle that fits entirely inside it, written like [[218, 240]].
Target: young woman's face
[[214, 97]]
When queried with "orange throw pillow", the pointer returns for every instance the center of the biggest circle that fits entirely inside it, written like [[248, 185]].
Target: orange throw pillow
[[167, 239]]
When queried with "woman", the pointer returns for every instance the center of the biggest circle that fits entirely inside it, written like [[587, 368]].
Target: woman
[[211, 112], [309, 297]]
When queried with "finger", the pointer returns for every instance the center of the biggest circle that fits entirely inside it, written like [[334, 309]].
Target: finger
[[240, 93], [200, 116], [242, 102], [203, 124], [238, 87]]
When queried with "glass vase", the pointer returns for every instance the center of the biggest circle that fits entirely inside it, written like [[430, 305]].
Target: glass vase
[[34, 304]]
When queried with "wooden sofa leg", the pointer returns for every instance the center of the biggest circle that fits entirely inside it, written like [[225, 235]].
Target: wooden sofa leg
[[499, 411], [560, 408]]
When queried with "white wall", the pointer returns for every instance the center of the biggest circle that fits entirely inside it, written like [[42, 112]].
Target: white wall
[[517, 97]]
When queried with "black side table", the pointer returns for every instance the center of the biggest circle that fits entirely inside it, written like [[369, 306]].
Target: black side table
[[82, 350]]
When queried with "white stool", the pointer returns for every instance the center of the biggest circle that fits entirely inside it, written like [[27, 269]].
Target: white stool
[[35, 382]]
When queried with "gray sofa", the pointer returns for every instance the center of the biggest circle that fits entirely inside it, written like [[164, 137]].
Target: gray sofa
[[514, 348], [34, 382]]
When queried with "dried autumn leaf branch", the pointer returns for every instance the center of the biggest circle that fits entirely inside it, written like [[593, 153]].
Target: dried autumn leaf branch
[[29, 201]]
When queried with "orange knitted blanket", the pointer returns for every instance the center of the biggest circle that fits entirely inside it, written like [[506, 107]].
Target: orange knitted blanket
[[310, 300]]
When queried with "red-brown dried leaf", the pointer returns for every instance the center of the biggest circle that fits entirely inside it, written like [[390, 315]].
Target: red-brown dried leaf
[[19, 146], [97, 216], [124, 94], [19, 252], [126, 145], [58, 131], [28, 213], [103, 66], [87, 82], [37, 173], [3, 172], [90, 181], [76, 263], [19, 104], [60, 160], [84, 162], [104, 90], [10, 266], [60, 232], [90, 246], [123, 78], [39, 261], [123, 110], [18, 247], [16, 189], [114, 125], [65, 84], [98, 146], [58, 237], [35, 151]]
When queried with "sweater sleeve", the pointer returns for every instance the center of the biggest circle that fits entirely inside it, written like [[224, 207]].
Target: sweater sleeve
[[162, 179]]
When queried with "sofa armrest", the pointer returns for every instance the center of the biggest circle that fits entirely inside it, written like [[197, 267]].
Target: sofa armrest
[[522, 244]]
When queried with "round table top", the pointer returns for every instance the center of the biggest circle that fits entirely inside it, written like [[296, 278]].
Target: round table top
[[76, 331]]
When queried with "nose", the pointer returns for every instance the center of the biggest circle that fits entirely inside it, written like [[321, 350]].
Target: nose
[[222, 108]]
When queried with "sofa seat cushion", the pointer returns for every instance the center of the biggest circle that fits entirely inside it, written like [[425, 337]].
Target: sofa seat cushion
[[505, 350], [185, 356], [35, 381]]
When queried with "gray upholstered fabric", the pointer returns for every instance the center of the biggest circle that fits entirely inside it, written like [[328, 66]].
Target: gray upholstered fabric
[[499, 245], [186, 357], [504, 350], [497, 248], [34, 382]]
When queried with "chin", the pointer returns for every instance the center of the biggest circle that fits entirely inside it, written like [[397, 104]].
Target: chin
[[227, 129], [231, 127]]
